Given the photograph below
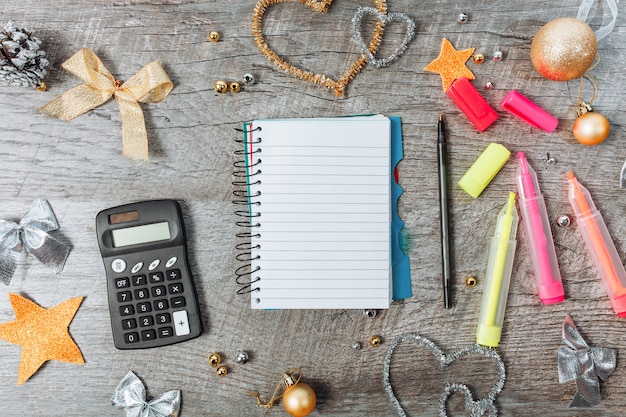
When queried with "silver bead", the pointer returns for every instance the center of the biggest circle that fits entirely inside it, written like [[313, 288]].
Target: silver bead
[[248, 79], [462, 18], [370, 314], [356, 345], [489, 85], [563, 220], [551, 160], [497, 56], [242, 357]]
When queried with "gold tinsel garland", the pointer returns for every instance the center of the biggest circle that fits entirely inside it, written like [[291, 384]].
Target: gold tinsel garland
[[338, 86]]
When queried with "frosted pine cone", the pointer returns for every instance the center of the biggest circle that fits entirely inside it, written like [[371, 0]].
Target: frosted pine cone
[[22, 63]]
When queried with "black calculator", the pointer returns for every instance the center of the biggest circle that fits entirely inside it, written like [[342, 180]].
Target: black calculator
[[152, 299]]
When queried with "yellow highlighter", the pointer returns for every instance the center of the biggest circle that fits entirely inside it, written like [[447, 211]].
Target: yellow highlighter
[[498, 277]]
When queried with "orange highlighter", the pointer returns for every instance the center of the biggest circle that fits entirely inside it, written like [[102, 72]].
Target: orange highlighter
[[599, 244]]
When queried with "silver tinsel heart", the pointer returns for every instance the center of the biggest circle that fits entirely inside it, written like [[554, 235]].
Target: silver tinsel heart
[[22, 63]]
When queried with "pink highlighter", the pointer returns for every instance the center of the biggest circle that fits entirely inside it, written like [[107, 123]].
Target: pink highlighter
[[538, 234]]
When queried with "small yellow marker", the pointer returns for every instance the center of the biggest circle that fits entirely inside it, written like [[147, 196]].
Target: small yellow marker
[[498, 277]]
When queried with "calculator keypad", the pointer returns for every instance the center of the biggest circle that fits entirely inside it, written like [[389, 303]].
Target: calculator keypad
[[146, 301]]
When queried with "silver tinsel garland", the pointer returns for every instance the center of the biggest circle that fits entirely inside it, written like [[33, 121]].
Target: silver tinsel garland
[[476, 408], [22, 63]]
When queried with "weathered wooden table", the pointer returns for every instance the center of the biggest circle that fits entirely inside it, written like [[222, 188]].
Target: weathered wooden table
[[78, 167]]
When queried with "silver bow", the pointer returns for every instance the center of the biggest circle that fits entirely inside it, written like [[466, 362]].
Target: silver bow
[[31, 234], [577, 361], [131, 395]]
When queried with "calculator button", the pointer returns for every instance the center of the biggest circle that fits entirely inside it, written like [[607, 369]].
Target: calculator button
[[171, 261], [160, 305], [136, 267], [144, 307], [181, 323], [156, 277], [146, 321], [163, 318], [173, 274], [131, 337], [148, 335], [166, 331], [127, 310], [118, 265], [124, 296], [175, 288], [142, 293], [154, 264], [158, 291], [128, 324], [177, 302], [122, 283], [139, 280]]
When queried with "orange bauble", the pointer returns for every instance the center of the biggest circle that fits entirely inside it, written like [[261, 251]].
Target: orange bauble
[[591, 128], [299, 399]]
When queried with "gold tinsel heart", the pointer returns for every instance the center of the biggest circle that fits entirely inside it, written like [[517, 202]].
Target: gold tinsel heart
[[321, 6]]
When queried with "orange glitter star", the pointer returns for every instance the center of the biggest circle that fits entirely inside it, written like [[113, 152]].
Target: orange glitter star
[[42, 333], [450, 64]]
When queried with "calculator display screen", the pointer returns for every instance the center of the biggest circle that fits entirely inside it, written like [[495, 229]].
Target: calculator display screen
[[140, 234]]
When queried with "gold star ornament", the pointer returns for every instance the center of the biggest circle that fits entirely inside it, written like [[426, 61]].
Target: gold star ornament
[[450, 64], [42, 333]]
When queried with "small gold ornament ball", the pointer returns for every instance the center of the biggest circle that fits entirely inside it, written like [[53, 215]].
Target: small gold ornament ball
[[591, 128], [563, 49], [299, 399]]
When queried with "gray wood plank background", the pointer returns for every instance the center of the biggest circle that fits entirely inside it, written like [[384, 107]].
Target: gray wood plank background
[[78, 167]]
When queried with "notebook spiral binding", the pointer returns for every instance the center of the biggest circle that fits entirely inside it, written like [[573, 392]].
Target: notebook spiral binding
[[245, 275]]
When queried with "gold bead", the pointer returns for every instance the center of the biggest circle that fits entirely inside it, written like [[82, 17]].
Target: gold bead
[[234, 87], [41, 87], [214, 36], [375, 341], [479, 58], [470, 281], [222, 371], [215, 359], [220, 86]]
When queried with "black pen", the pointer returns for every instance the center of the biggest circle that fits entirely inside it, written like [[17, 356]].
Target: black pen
[[442, 166]]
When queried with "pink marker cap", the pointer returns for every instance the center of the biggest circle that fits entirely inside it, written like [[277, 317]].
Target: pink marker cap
[[521, 107]]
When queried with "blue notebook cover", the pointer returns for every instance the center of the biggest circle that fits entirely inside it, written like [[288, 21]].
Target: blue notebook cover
[[400, 263]]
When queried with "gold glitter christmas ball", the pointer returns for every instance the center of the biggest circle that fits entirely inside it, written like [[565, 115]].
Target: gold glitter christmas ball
[[563, 49]]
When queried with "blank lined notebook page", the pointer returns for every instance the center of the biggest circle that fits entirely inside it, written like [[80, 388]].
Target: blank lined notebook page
[[325, 212]]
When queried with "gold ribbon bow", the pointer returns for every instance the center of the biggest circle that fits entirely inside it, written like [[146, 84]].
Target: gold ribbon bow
[[151, 84]]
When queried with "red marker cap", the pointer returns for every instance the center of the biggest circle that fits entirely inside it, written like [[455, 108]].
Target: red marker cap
[[469, 100]]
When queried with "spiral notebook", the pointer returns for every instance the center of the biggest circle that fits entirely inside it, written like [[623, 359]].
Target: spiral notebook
[[320, 206]]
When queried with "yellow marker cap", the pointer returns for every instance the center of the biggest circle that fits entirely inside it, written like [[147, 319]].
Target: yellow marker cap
[[484, 169]]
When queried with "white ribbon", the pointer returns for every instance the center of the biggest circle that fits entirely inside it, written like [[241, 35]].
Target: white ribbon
[[583, 13]]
